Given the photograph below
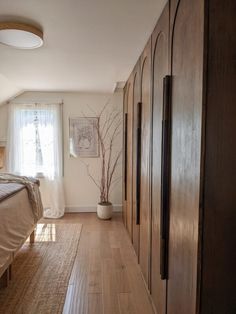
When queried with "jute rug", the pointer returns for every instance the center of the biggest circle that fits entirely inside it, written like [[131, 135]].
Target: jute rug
[[41, 271]]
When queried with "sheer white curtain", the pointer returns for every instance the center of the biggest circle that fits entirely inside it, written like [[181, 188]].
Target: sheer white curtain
[[35, 149]]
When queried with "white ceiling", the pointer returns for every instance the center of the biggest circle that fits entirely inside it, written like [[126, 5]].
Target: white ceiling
[[89, 45]]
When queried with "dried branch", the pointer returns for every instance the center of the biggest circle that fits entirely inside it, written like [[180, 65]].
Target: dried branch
[[90, 176], [110, 124], [108, 129], [114, 183]]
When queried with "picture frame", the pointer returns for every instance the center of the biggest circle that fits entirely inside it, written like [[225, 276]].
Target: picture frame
[[2, 153], [83, 137]]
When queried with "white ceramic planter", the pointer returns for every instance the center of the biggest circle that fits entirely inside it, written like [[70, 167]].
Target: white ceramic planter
[[104, 211]]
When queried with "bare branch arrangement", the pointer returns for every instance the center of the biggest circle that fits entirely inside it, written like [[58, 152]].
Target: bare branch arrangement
[[108, 129]]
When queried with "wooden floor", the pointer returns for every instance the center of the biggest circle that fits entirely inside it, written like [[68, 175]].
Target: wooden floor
[[106, 277]]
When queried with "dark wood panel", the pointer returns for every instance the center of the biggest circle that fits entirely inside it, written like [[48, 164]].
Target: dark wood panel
[[144, 253], [129, 155], [160, 69], [187, 89], [124, 187], [219, 237], [136, 100]]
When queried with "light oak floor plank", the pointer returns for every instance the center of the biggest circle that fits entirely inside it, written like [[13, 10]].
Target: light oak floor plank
[[106, 278], [95, 305], [126, 304]]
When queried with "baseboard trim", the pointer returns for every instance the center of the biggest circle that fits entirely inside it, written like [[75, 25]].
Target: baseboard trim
[[89, 209]]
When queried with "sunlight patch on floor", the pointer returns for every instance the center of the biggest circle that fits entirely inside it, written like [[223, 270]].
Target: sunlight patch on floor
[[45, 233]]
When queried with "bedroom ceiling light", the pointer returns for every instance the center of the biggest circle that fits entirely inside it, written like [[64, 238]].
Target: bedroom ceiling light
[[20, 35]]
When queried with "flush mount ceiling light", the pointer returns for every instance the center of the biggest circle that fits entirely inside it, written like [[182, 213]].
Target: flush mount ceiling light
[[20, 35]]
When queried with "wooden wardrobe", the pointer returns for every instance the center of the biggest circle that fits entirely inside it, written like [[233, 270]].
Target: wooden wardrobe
[[180, 158]]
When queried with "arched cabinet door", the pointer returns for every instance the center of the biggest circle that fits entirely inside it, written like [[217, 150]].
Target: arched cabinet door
[[144, 248], [136, 101], [129, 155], [160, 70], [187, 77]]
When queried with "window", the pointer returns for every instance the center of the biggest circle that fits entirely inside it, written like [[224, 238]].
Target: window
[[35, 140]]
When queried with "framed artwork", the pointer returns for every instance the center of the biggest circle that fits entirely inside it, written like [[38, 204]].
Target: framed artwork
[[2, 156], [2, 153], [84, 137]]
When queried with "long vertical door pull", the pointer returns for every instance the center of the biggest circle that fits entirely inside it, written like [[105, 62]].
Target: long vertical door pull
[[125, 166], [165, 174], [138, 163]]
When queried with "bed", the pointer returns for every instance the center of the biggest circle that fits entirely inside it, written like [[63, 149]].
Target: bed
[[20, 209]]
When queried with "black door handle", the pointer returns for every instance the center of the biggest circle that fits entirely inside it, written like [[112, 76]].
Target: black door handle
[[138, 166], [165, 177], [125, 161]]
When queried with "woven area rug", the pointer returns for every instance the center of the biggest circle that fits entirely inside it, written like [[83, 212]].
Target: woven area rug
[[41, 271]]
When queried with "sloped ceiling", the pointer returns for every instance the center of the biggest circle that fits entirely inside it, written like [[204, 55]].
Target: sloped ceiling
[[89, 45], [7, 89]]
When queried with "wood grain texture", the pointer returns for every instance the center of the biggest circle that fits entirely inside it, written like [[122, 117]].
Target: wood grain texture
[[106, 277], [201, 60], [160, 69], [95, 303], [95, 272], [219, 218], [124, 185], [119, 272], [136, 100], [187, 89], [22, 26], [110, 297], [125, 304], [144, 253], [135, 277], [79, 291], [129, 211]]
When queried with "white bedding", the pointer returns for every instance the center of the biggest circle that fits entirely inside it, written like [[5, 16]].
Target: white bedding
[[32, 186], [17, 221]]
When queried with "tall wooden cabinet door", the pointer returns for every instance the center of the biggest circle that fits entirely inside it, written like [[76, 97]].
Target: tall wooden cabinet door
[[136, 100], [187, 88], [219, 203], [160, 70], [144, 253], [124, 191], [129, 155]]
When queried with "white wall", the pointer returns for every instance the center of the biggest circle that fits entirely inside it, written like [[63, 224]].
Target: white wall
[[80, 192]]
